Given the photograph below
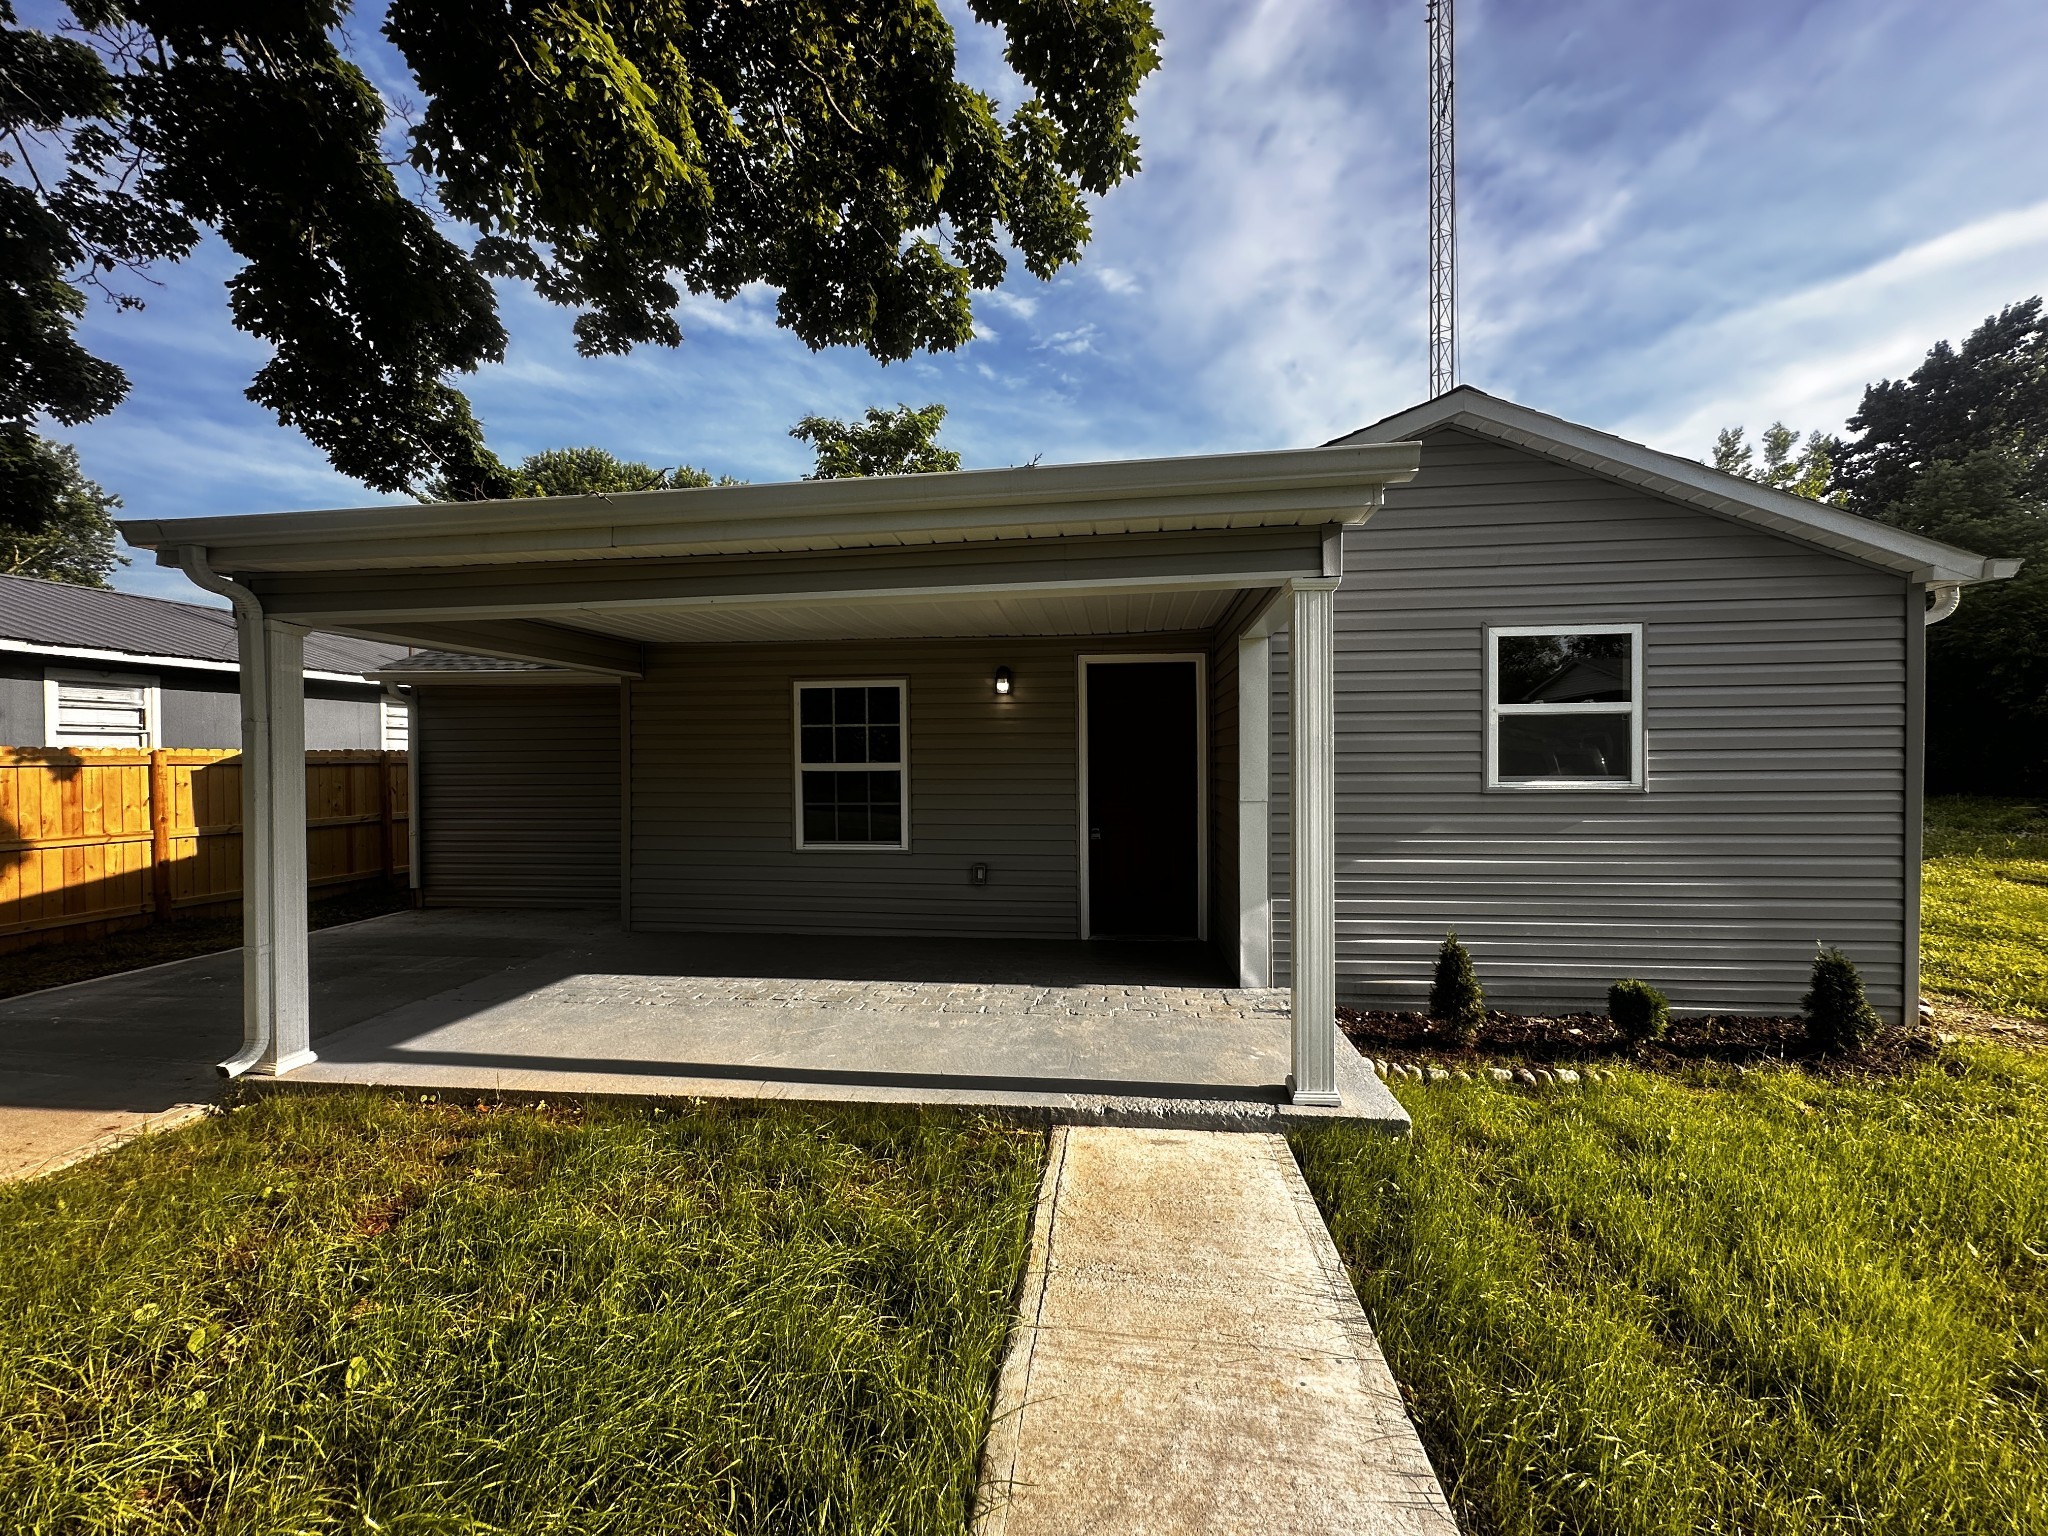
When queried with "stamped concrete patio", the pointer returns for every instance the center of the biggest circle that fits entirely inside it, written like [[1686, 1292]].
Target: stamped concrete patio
[[1099, 1032], [564, 1003]]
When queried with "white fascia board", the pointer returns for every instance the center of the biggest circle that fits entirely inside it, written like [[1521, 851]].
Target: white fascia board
[[142, 659], [1812, 522], [1301, 486]]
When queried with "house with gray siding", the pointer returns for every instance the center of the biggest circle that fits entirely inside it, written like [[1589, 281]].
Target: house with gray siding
[[91, 667], [1602, 710]]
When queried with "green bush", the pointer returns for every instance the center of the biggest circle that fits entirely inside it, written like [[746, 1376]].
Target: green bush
[[1638, 1009], [1454, 995], [1839, 1018]]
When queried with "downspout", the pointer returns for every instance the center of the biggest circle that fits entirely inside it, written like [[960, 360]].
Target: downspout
[[412, 781], [1948, 597], [256, 790]]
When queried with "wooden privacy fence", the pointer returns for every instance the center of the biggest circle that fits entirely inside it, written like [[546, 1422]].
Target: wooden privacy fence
[[97, 838]]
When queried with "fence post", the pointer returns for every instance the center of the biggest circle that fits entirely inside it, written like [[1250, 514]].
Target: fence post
[[162, 806], [390, 811]]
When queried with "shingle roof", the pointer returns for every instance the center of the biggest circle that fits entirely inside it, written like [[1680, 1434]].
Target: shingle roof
[[57, 613], [460, 662]]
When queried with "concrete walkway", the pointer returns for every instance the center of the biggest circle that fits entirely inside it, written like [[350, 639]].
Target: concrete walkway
[[1191, 1357]]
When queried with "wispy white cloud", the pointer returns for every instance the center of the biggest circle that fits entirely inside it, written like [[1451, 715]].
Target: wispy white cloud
[[1672, 219]]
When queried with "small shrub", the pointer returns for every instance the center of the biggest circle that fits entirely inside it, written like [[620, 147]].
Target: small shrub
[[1638, 1009], [1454, 995], [1839, 1018]]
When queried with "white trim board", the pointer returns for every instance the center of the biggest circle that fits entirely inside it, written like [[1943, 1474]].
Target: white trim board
[[1113, 658], [901, 767], [1296, 486], [1639, 735], [142, 659]]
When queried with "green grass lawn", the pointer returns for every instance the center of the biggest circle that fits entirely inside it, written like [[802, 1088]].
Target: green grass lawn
[[1984, 904], [1765, 1304], [355, 1314]]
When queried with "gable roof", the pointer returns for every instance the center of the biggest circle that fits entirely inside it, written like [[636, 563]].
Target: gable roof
[[1683, 480], [61, 619]]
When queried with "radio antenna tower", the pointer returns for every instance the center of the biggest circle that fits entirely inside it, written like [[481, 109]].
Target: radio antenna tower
[[1443, 204]]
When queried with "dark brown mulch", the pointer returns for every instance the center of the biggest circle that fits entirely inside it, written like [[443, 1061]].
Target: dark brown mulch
[[1591, 1039]]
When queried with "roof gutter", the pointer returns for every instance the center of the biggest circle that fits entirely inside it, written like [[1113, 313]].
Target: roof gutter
[[256, 788]]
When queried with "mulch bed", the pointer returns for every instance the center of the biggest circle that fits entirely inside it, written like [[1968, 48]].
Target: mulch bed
[[1590, 1039]]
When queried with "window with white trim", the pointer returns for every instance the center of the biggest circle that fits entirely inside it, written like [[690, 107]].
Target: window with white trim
[[1564, 707], [852, 741], [99, 709]]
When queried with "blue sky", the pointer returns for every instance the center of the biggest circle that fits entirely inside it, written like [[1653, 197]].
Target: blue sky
[[1672, 218]]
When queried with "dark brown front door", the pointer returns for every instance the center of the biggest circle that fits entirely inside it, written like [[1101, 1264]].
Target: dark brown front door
[[1144, 798]]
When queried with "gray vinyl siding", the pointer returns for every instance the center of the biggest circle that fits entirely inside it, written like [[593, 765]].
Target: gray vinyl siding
[[992, 782], [198, 710], [1775, 688], [519, 796], [208, 719], [21, 703]]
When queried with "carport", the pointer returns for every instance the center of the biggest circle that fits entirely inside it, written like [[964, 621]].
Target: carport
[[956, 623]]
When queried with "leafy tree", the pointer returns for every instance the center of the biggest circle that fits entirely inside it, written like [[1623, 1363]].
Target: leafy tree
[[74, 539], [1991, 393], [55, 233], [609, 155], [1804, 472], [583, 472], [1958, 451], [899, 442]]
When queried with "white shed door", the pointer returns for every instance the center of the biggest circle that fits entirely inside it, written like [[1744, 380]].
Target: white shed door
[[99, 712]]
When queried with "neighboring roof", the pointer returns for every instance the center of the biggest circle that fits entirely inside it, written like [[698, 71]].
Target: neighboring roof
[[1679, 479], [1291, 487], [461, 667], [60, 619]]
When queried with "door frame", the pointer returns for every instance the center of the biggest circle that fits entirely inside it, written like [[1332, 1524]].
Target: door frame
[[1112, 658]]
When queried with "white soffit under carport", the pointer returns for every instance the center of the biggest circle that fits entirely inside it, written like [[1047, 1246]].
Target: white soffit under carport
[[1666, 474], [1293, 487]]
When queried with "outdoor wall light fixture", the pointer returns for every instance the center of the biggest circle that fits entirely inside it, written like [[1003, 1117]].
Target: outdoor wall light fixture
[[1003, 682]]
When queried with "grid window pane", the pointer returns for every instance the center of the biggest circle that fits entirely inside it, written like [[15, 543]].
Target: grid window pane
[[853, 807], [1564, 669], [850, 725], [1579, 747]]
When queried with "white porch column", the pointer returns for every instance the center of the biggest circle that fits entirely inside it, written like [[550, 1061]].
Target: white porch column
[[1312, 811], [1254, 829], [276, 1018]]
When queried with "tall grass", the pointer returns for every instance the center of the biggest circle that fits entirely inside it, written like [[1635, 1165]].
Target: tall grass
[[1759, 1305], [353, 1314], [1984, 904]]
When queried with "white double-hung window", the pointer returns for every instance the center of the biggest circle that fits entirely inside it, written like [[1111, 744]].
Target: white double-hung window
[[1564, 707], [852, 744]]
